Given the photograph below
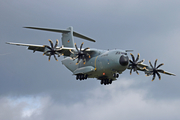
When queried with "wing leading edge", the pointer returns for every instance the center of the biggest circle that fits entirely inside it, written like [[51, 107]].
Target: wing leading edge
[[33, 47], [65, 51]]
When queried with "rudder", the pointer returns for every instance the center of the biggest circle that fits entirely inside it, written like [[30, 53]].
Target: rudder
[[67, 38]]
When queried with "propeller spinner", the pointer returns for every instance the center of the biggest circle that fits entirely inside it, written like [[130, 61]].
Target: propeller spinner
[[80, 54], [52, 50], [155, 70], [134, 63]]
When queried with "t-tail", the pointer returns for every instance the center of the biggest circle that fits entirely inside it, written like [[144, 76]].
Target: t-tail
[[67, 35]]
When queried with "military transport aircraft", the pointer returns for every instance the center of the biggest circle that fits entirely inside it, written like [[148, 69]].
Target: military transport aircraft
[[105, 65]]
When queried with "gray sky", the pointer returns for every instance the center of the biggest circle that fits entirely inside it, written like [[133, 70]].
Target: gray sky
[[33, 88]]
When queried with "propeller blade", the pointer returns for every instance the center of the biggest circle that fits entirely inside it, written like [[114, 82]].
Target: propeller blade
[[51, 43], [46, 52], [136, 70], [85, 49], [159, 76], [131, 62], [137, 57], [75, 57], [150, 64], [160, 65], [131, 71], [71, 51], [155, 63], [76, 47], [154, 76], [81, 46], [55, 58], [49, 58], [141, 61], [78, 60], [57, 42], [49, 47], [132, 56]]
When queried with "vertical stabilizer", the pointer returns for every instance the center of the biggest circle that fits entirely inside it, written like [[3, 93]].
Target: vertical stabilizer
[[67, 38]]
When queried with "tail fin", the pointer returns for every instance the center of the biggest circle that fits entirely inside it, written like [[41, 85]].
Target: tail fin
[[67, 38]]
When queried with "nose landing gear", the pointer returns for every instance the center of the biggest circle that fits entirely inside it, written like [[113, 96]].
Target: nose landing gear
[[115, 75]]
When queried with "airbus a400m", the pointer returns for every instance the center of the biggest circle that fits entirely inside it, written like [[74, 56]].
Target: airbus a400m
[[105, 65]]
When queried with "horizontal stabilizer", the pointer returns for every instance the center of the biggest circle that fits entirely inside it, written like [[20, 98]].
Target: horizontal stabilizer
[[63, 31]]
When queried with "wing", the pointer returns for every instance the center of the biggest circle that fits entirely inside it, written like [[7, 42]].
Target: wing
[[33, 47], [146, 69], [154, 70], [61, 50]]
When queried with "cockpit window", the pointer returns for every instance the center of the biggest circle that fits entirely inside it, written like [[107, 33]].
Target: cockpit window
[[121, 53]]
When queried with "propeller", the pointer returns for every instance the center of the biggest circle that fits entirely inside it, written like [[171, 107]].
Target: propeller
[[134, 63], [155, 70], [80, 54], [52, 50]]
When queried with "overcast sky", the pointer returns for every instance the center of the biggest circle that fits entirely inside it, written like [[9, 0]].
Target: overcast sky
[[31, 88]]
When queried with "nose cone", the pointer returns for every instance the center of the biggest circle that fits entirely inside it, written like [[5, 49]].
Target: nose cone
[[124, 60]]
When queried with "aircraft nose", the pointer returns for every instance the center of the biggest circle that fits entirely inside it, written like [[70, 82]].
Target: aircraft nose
[[124, 60]]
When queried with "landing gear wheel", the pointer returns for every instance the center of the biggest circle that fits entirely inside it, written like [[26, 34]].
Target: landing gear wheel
[[101, 82], [77, 77], [81, 77], [85, 77], [106, 81], [117, 75]]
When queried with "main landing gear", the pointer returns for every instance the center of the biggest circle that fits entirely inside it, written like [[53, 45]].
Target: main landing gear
[[81, 77], [106, 81]]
